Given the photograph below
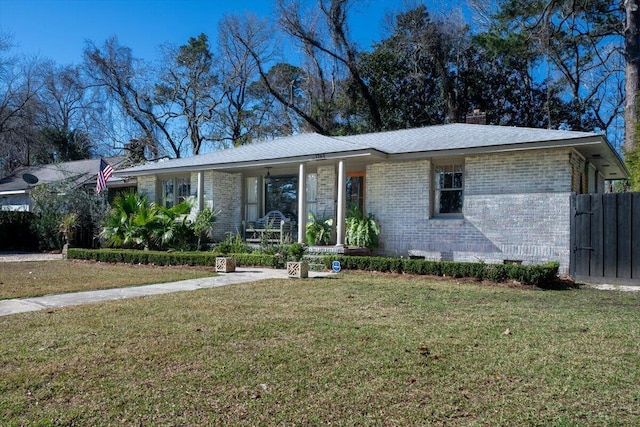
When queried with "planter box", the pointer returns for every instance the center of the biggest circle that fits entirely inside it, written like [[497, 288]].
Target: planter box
[[225, 264], [299, 269]]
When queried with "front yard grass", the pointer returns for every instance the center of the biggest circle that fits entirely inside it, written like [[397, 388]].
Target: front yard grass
[[32, 279], [352, 349]]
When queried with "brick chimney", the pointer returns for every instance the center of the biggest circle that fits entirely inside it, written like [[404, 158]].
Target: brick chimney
[[477, 118]]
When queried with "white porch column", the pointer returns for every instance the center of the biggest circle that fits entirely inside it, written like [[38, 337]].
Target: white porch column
[[200, 191], [341, 211], [302, 202]]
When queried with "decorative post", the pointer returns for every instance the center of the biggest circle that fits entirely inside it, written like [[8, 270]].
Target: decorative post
[[200, 191], [298, 269], [225, 264], [342, 202], [302, 202]]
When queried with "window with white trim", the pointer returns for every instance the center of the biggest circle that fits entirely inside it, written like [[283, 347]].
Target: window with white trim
[[448, 193], [174, 190], [312, 193], [252, 207]]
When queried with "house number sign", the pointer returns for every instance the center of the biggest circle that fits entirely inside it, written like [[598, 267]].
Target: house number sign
[[335, 265]]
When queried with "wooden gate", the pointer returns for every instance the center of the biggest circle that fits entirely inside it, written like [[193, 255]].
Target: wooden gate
[[605, 238]]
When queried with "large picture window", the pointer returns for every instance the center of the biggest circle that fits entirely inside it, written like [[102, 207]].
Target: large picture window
[[174, 190], [449, 189], [281, 195]]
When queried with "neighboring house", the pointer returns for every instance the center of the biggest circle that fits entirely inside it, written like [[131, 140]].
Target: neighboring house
[[15, 189], [452, 192]]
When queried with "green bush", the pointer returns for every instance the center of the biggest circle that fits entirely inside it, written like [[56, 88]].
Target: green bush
[[52, 202], [134, 222], [233, 244], [536, 275], [132, 256]]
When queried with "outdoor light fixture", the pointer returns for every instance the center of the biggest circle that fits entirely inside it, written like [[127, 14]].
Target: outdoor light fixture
[[267, 177]]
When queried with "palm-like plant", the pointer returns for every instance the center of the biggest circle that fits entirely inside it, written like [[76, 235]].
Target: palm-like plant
[[118, 226], [203, 224], [318, 230], [133, 222], [361, 231], [172, 223]]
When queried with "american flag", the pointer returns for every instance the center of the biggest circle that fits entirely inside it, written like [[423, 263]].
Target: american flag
[[104, 174]]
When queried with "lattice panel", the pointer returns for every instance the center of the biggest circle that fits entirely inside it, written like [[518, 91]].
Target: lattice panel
[[298, 269], [225, 264]]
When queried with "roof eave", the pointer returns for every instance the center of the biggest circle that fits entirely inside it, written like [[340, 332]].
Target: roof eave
[[619, 170], [13, 192], [373, 153]]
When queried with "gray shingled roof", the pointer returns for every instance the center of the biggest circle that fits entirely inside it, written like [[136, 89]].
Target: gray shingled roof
[[459, 136], [426, 140], [306, 144], [78, 172]]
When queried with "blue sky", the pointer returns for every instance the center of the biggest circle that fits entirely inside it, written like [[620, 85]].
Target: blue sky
[[58, 29]]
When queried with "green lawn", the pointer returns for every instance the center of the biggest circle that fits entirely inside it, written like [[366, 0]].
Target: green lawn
[[32, 279], [353, 349]]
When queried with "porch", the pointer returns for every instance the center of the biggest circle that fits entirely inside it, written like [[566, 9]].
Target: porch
[[272, 203]]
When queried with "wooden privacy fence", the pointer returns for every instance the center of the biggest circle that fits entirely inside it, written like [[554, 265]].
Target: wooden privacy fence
[[605, 238]]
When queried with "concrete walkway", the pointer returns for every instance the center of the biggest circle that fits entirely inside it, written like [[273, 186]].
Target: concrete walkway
[[27, 256], [241, 275]]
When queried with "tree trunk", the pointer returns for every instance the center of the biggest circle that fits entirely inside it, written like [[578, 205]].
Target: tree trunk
[[632, 68]]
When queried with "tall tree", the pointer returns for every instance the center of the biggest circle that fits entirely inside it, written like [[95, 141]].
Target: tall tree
[[242, 41], [20, 82], [188, 91], [337, 48], [68, 114], [576, 45], [261, 54], [413, 74], [113, 69], [632, 76], [275, 118]]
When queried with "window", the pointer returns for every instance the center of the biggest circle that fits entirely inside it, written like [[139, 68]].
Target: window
[[355, 190], [175, 190], [281, 195], [252, 211], [448, 190], [312, 193]]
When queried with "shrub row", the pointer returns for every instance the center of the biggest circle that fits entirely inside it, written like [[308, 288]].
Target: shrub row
[[537, 275], [129, 256]]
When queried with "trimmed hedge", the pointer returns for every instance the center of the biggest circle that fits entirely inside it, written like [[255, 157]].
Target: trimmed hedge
[[208, 259], [537, 275]]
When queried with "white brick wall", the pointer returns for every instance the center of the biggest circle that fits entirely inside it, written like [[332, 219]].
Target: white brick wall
[[326, 195], [225, 191], [147, 187], [397, 195], [516, 207]]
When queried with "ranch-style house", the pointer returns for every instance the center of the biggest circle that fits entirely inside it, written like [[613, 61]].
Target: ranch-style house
[[463, 192]]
